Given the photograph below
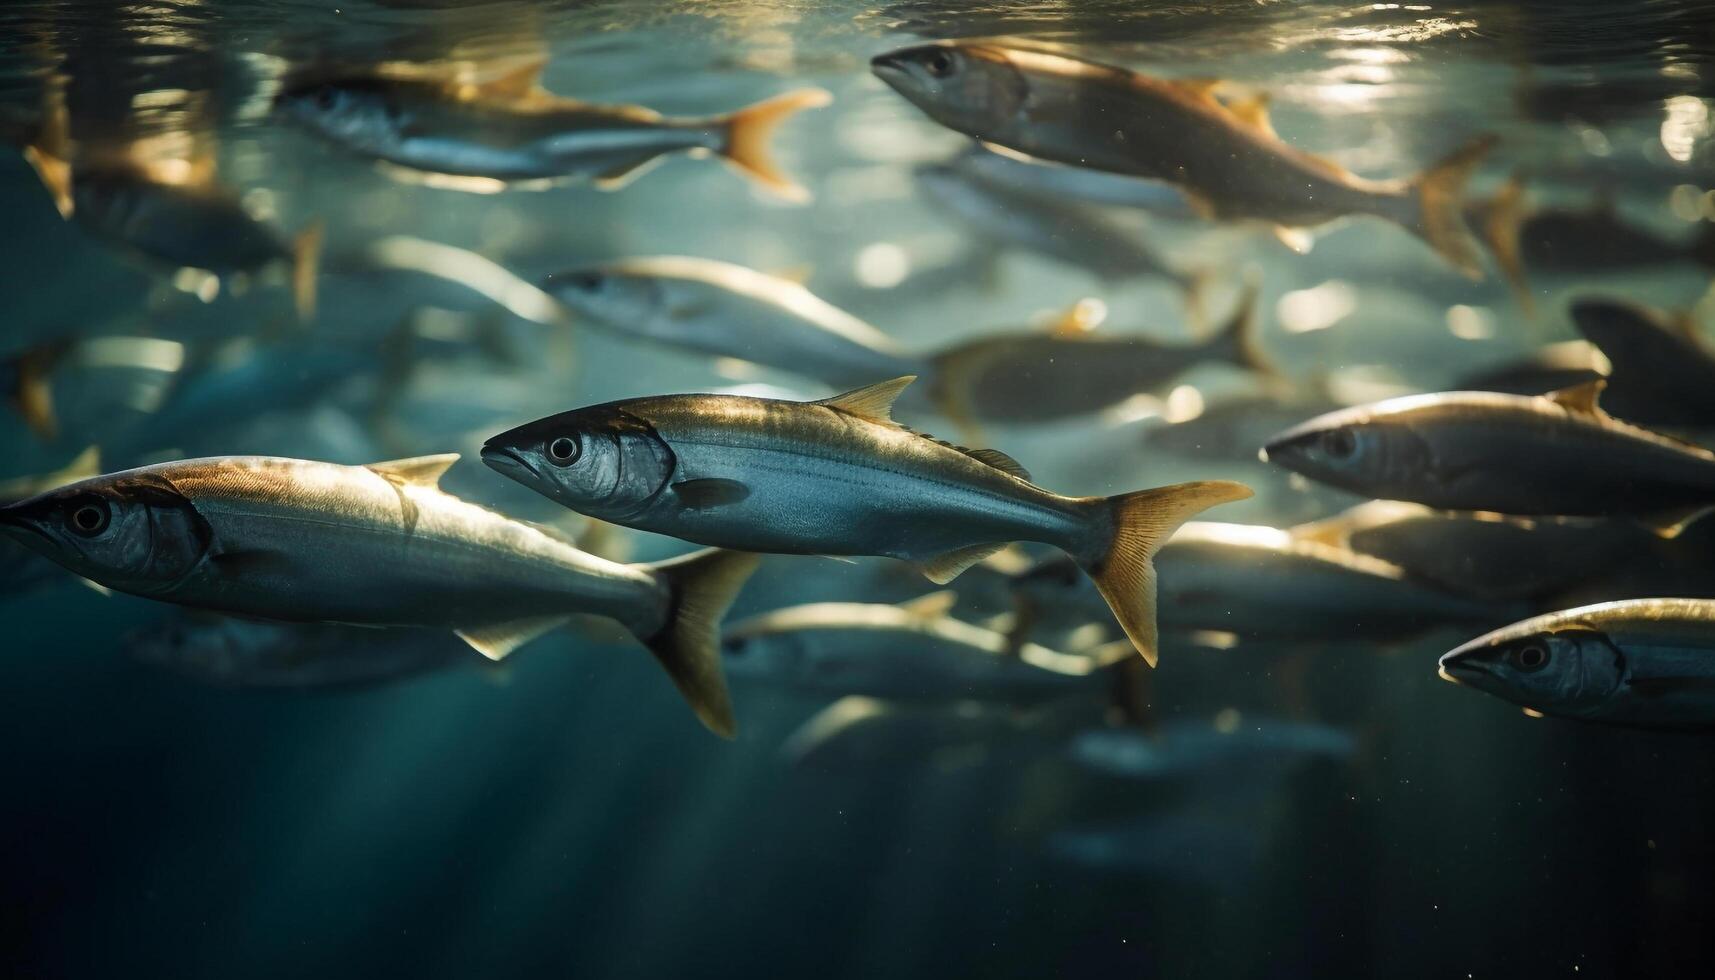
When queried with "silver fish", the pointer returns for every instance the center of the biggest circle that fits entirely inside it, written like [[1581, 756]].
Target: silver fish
[[1662, 371], [1063, 182], [1073, 368], [1552, 455], [1073, 234], [20, 571], [244, 653], [727, 310], [1484, 556], [1261, 583], [508, 130], [379, 545], [1642, 662], [838, 477], [1223, 154], [914, 651]]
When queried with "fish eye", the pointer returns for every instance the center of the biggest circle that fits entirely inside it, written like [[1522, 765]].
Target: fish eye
[[1531, 657], [564, 451], [587, 282], [327, 97], [1339, 443], [90, 517], [939, 63]]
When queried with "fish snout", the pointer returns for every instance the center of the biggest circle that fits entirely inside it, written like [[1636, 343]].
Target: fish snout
[[890, 67], [507, 462], [1462, 665]]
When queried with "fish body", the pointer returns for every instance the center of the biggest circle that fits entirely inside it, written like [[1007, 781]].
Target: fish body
[[174, 224], [726, 310], [242, 653], [1662, 371], [904, 652], [1261, 583], [1557, 454], [1078, 371], [380, 545], [1074, 234], [836, 477], [1484, 556], [1224, 155], [1062, 182], [1646, 663], [512, 132]]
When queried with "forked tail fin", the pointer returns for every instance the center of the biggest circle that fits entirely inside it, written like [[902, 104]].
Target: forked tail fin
[[1440, 192], [1138, 524], [1237, 342], [1501, 222], [703, 585], [749, 131]]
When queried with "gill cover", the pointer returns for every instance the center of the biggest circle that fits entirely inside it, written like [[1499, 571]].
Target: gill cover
[[135, 533]]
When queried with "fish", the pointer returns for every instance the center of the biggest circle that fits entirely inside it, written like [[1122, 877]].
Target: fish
[[1549, 368], [1073, 368], [241, 653], [863, 732], [1062, 182], [381, 545], [914, 651], [727, 310], [1644, 663], [22, 571], [509, 131], [1224, 155], [1592, 239], [839, 477], [1076, 235], [1192, 750], [169, 210], [1662, 371], [1557, 455], [1260, 583], [1481, 555]]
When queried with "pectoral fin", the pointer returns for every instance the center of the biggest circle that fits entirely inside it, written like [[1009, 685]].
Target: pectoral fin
[[944, 568], [1669, 523], [497, 640], [708, 494], [620, 174]]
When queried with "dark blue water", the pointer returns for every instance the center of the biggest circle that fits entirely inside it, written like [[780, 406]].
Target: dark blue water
[[563, 815]]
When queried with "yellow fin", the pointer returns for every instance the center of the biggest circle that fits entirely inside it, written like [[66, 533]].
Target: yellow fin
[[703, 585], [32, 392], [873, 402], [1079, 319], [942, 569], [518, 82], [1000, 461], [1441, 202], [422, 471], [797, 275], [1253, 113], [1123, 564], [499, 639], [1297, 239], [1202, 88], [50, 152], [749, 130], [1502, 225], [1669, 523], [931, 606], [1580, 399]]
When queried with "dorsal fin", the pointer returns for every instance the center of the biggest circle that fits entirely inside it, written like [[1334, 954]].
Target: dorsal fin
[[999, 460], [1202, 88], [518, 82], [930, 606], [422, 471], [1253, 113], [873, 402], [1580, 399], [1079, 319]]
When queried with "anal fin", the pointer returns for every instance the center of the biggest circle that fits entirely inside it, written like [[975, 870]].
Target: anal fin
[[944, 568], [497, 640]]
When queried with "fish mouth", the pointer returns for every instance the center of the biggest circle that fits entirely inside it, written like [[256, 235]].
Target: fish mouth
[[1459, 667], [12, 522], [510, 464], [888, 68]]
